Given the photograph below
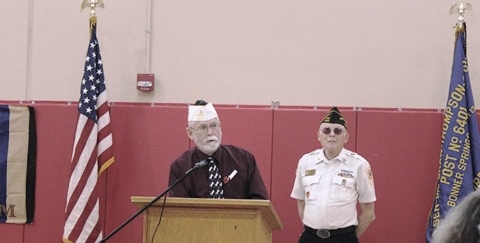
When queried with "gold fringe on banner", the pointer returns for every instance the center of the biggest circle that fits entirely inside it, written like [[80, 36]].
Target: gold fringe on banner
[[460, 29]]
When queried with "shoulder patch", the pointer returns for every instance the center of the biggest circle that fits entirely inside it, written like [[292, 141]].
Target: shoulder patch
[[369, 174]]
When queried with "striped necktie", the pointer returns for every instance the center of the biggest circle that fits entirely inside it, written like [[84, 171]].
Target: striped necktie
[[214, 180]]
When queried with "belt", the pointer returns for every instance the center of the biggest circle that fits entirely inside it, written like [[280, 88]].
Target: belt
[[326, 233]]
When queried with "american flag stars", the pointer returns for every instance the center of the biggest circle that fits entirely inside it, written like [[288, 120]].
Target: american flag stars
[[93, 82]]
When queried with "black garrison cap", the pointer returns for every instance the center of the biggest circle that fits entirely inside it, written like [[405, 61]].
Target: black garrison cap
[[334, 116]]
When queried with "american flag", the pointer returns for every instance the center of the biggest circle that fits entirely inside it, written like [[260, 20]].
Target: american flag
[[92, 152]]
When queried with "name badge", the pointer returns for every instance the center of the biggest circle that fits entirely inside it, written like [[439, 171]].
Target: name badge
[[310, 172]]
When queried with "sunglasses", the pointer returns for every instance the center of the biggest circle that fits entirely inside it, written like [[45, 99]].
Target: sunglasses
[[328, 130]]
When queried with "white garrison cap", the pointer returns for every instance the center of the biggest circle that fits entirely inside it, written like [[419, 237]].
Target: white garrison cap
[[201, 112]]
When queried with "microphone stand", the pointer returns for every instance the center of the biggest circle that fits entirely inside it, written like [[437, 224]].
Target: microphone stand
[[196, 167]]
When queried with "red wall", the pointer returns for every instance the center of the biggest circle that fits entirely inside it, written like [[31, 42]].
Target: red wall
[[401, 146]]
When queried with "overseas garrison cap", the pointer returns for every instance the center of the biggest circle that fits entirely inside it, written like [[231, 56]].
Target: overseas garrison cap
[[334, 116], [201, 111]]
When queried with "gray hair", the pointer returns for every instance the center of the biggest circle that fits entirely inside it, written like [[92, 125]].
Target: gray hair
[[462, 223]]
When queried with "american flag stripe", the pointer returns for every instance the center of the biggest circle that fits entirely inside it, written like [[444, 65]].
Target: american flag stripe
[[105, 150], [85, 139], [82, 174], [84, 187], [90, 225], [92, 152]]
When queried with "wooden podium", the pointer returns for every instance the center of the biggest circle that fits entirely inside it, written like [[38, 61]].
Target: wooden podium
[[208, 220]]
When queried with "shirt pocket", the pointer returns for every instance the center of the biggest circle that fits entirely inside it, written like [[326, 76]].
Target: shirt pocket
[[310, 183], [343, 187]]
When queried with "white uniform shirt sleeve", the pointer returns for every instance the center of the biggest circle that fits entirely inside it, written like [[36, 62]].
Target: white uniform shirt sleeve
[[298, 191], [365, 185]]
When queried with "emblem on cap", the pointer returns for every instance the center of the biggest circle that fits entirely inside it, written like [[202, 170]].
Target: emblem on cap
[[334, 116], [201, 111], [200, 115]]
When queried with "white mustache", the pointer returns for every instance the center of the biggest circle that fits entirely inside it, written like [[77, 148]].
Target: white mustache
[[212, 138]]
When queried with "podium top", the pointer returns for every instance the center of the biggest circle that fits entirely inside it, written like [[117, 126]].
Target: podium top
[[264, 206]]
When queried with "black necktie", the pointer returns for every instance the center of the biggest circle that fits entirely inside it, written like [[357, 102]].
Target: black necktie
[[214, 179]]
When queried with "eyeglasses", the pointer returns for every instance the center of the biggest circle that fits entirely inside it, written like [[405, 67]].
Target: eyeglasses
[[204, 128], [328, 130]]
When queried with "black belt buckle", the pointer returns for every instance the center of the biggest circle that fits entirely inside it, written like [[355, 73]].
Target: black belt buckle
[[323, 233]]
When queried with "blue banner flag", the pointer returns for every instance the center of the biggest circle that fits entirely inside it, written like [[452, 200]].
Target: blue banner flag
[[459, 168], [18, 150]]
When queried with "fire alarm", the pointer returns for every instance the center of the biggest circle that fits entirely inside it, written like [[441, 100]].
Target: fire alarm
[[145, 81]]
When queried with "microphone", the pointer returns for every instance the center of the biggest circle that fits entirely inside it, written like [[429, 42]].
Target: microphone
[[201, 164], [197, 166]]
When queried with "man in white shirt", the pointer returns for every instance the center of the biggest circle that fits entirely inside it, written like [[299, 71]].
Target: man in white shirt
[[329, 182]]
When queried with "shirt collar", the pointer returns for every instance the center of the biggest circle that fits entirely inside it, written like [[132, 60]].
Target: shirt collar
[[217, 154], [341, 157]]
